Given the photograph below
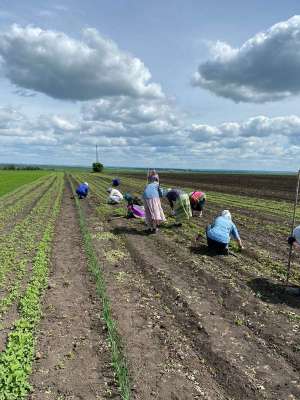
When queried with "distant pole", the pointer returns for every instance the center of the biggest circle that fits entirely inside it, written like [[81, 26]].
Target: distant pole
[[292, 229], [97, 157]]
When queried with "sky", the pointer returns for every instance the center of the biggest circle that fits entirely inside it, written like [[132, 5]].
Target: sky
[[194, 84]]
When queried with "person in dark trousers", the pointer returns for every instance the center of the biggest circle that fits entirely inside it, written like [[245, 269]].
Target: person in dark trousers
[[82, 190], [294, 240], [220, 232]]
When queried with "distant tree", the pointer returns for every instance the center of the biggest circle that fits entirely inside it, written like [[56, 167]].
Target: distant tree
[[10, 167], [97, 167]]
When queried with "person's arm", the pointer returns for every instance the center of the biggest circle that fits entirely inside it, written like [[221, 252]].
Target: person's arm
[[235, 235]]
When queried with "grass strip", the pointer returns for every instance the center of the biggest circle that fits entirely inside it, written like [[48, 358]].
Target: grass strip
[[16, 360], [118, 359]]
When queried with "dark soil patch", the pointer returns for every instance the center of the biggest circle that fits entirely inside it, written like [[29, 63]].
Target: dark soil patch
[[273, 187]]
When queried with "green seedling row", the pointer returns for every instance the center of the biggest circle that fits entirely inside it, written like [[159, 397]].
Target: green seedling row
[[11, 197], [25, 200], [118, 358], [24, 233], [16, 360], [15, 258], [11, 180]]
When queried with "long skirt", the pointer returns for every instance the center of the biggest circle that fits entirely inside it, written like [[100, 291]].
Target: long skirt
[[182, 208], [153, 211]]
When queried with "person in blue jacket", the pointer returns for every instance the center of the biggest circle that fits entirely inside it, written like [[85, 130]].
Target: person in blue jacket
[[220, 232], [82, 190], [154, 214]]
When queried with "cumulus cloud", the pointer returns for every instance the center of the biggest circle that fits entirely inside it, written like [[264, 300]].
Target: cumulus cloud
[[265, 68], [134, 140], [259, 127], [52, 63], [133, 117]]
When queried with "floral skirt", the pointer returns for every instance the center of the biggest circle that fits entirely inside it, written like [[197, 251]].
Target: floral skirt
[[153, 211]]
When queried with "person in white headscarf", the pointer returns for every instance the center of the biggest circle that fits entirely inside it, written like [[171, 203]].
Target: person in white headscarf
[[115, 196], [295, 238], [220, 232]]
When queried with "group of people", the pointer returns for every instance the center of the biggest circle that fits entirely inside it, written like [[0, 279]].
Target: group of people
[[183, 205]]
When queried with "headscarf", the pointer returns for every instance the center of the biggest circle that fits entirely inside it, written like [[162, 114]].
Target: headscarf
[[153, 176], [86, 184], [116, 182], [296, 234], [226, 214]]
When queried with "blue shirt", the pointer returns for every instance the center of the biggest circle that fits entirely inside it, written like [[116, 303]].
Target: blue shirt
[[222, 229], [82, 189], [152, 191]]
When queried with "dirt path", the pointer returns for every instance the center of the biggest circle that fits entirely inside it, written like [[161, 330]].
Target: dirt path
[[73, 361]]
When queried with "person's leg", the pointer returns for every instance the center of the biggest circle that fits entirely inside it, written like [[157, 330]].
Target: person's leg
[[222, 248]]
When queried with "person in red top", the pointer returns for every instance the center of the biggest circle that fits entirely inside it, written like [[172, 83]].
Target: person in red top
[[197, 200]]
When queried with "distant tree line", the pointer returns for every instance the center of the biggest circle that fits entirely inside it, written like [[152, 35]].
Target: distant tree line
[[13, 167]]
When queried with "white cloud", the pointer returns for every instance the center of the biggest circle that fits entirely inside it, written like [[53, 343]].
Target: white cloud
[[265, 68], [66, 139], [64, 68]]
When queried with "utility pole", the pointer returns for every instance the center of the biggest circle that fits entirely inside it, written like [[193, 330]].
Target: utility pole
[[97, 157]]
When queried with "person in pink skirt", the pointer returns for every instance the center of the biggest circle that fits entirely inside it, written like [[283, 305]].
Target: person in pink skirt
[[154, 214]]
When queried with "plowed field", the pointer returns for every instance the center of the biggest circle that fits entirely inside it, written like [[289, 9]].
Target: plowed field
[[94, 308]]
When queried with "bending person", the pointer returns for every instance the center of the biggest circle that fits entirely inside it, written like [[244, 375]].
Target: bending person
[[154, 214], [197, 200], [180, 203], [82, 190], [115, 196], [220, 232], [295, 238]]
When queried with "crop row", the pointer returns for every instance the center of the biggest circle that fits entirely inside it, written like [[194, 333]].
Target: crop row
[[16, 360], [11, 180], [18, 247], [118, 359], [24, 199]]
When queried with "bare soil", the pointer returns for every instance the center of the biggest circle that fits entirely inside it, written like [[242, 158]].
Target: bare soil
[[273, 187]]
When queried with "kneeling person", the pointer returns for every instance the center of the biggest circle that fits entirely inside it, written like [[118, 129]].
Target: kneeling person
[[220, 232], [115, 196]]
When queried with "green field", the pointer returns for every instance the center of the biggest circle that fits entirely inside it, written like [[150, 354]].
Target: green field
[[11, 180]]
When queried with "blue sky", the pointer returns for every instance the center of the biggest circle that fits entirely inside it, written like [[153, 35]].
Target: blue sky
[[191, 84]]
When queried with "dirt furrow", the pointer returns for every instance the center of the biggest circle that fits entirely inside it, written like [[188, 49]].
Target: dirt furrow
[[73, 361]]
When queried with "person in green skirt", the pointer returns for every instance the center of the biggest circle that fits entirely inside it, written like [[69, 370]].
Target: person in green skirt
[[180, 203]]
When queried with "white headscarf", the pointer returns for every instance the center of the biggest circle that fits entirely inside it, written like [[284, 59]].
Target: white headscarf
[[86, 184], [226, 214], [296, 233]]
